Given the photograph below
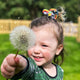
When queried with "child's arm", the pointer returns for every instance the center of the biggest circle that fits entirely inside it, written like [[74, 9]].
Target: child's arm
[[11, 66]]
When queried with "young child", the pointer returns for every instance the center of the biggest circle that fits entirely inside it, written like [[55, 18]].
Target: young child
[[47, 49]]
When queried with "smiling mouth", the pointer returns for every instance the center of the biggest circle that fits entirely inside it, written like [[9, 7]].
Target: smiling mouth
[[37, 58]]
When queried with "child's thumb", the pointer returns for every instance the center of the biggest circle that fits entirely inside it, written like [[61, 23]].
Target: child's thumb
[[16, 59]]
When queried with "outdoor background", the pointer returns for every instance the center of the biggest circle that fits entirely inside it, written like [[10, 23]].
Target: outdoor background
[[22, 12]]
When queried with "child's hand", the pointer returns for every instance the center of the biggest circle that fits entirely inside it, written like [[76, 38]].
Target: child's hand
[[11, 66]]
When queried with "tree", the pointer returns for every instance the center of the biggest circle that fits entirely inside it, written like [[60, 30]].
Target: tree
[[30, 9], [73, 10]]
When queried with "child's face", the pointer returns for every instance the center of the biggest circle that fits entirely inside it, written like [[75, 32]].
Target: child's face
[[45, 47]]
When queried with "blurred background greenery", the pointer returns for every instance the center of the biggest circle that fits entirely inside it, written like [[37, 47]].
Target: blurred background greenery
[[30, 9]]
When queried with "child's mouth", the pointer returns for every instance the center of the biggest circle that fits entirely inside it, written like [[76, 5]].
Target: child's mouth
[[37, 58]]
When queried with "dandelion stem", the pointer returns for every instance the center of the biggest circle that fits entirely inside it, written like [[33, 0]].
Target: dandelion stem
[[16, 53]]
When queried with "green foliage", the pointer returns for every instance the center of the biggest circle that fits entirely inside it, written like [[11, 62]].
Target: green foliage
[[16, 12], [73, 10], [71, 64], [30, 9], [2, 9]]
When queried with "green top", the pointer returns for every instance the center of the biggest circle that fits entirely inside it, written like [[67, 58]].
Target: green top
[[34, 72]]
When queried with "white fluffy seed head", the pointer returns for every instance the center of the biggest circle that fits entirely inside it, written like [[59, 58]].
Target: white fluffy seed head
[[22, 38]]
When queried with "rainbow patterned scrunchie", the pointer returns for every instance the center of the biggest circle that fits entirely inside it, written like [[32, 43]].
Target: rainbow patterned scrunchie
[[53, 13]]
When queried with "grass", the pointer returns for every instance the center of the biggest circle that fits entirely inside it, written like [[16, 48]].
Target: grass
[[72, 58]]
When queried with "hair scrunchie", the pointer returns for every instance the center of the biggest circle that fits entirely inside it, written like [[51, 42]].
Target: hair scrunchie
[[54, 13]]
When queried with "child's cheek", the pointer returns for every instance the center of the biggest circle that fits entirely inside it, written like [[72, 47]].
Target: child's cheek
[[47, 54], [29, 52]]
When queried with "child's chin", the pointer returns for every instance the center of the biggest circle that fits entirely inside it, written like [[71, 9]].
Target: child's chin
[[38, 64]]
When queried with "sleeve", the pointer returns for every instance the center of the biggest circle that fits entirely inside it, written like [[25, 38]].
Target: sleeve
[[28, 72], [60, 73]]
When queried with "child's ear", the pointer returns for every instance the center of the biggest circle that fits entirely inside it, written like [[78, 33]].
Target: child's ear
[[59, 49]]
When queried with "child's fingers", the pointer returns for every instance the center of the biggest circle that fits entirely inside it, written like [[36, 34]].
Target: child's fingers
[[12, 64], [11, 60], [17, 61], [7, 76], [5, 73], [8, 68]]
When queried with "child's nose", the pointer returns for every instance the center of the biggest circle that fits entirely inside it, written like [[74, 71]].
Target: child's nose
[[37, 50]]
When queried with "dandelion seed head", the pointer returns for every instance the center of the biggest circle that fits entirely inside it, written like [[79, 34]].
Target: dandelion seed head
[[22, 38]]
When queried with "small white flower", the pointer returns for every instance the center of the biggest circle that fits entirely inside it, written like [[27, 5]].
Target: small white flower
[[22, 38]]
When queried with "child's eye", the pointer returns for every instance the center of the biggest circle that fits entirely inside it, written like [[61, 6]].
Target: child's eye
[[45, 45]]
